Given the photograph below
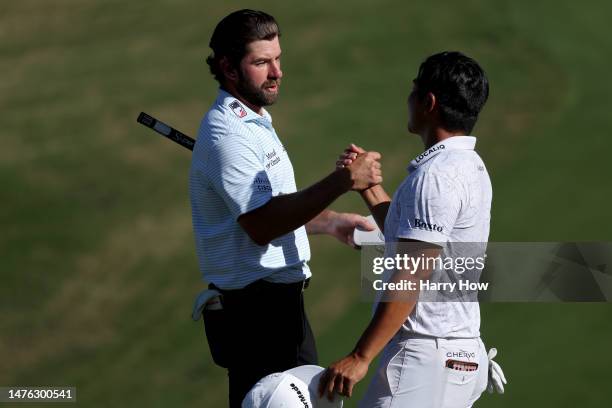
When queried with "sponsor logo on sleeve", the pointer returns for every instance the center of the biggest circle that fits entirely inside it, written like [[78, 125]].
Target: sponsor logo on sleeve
[[238, 109], [427, 226]]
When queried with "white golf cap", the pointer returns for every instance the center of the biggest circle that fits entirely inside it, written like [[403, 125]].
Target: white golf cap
[[363, 237], [295, 388]]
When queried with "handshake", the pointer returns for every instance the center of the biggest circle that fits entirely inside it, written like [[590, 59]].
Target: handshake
[[363, 167]]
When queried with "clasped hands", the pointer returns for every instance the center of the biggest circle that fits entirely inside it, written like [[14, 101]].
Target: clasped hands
[[364, 167]]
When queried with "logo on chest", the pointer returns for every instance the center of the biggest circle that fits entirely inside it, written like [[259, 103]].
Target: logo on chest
[[272, 159]]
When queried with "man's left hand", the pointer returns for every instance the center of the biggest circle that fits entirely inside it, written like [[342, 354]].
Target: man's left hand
[[342, 376], [342, 226]]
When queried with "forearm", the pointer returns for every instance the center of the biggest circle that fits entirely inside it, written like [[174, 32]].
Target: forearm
[[378, 202], [285, 213], [395, 306], [387, 320]]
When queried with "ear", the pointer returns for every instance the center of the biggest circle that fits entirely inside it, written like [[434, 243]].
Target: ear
[[228, 69], [430, 102]]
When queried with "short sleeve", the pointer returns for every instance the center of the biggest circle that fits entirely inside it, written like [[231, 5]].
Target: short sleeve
[[429, 208], [237, 174]]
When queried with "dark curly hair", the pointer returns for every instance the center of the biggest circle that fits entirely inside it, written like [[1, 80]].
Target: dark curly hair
[[234, 33], [460, 86]]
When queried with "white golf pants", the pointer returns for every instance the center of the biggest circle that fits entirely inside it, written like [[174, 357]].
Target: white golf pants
[[413, 373]]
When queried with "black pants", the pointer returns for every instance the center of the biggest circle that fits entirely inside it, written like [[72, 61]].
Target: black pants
[[267, 332]]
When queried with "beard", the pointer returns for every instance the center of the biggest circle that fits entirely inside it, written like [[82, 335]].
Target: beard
[[257, 95]]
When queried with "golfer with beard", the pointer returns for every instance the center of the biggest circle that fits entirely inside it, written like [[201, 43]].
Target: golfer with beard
[[250, 222]]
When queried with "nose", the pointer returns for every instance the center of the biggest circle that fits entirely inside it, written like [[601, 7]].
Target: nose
[[275, 70]]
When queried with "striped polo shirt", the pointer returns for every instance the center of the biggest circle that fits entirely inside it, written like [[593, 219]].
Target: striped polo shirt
[[238, 165]]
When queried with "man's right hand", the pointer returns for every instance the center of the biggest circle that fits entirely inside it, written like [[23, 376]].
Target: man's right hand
[[287, 212], [365, 170]]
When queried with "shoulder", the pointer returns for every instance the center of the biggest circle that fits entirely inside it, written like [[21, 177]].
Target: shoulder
[[220, 121], [439, 177], [455, 173], [221, 128], [455, 165], [438, 168]]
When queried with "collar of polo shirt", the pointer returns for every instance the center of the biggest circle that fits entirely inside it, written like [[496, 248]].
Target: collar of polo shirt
[[232, 103], [451, 143]]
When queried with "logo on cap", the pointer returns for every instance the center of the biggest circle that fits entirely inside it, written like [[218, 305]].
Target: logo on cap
[[300, 395]]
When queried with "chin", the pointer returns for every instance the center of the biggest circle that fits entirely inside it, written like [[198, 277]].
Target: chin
[[270, 97], [270, 101]]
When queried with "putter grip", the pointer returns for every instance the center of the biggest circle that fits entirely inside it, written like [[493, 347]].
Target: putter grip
[[166, 130]]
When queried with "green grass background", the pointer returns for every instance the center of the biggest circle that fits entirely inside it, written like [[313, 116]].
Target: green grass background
[[98, 268]]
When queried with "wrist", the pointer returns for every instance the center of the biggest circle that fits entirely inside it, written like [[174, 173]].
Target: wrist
[[367, 190], [361, 356], [343, 179], [374, 195], [329, 223]]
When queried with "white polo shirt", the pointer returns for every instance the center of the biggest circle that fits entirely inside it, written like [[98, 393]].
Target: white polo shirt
[[238, 165], [445, 199]]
